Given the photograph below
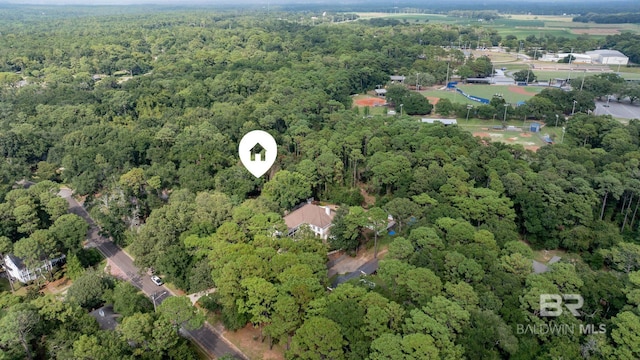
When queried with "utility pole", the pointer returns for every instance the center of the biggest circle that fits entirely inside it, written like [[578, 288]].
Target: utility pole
[[535, 52], [570, 59], [447, 80], [469, 107], [584, 72], [573, 110], [504, 120], [153, 297]]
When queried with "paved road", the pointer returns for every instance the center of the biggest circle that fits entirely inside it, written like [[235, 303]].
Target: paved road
[[367, 268], [207, 337]]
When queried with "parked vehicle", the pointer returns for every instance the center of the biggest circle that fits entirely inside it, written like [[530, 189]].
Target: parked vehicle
[[156, 280]]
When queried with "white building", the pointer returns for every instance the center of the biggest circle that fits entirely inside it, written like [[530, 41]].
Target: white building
[[318, 218], [578, 58], [608, 57], [19, 271], [443, 121]]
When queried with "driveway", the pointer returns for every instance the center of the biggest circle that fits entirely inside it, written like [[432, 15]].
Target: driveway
[[208, 338]]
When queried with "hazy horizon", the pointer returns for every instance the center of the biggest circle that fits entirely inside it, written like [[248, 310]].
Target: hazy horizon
[[253, 2]]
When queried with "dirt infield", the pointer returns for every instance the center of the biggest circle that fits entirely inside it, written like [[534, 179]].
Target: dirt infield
[[372, 101], [519, 90], [502, 137], [482, 134], [433, 100]]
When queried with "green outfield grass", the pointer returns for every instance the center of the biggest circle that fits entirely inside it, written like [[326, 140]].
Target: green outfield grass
[[488, 91], [515, 67], [522, 33], [454, 97], [545, 75]]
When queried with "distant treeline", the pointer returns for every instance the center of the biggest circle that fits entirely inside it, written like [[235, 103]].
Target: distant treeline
[[627, 43], [609, 18], [475, 14], [544, 7]]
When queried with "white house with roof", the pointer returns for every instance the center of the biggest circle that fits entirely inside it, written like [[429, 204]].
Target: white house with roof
[[318, 218], [18, 270]]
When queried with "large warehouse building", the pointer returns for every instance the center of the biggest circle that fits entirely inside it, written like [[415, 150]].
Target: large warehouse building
[[577, 58], [608, 57]]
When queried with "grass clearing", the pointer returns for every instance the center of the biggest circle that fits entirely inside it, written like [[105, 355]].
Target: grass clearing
[[564, 19], [545, 75], [530, 141], [453, 96], [488, 91]]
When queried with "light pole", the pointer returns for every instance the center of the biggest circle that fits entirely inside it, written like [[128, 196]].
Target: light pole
[[504, 120], [573, 109], [153, 297], [584, 72], [401, 105], [557, 120], [570, 58], [562, 138], [469, 107], [529, 69]]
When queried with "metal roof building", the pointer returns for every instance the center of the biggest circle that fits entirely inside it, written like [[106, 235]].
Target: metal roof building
[[608, 57]]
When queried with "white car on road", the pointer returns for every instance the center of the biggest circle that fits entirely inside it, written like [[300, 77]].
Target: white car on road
[[156, 280]]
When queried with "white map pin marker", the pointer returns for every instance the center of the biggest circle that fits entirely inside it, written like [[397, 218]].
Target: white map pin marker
[[258, 151]]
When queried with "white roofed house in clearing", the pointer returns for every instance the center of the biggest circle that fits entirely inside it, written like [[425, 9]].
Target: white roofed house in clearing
[[318, 218], [18, 270]]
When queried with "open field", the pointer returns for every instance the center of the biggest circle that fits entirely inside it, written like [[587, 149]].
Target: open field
[[451, 95], [511, 94], [544, 75], [364, 100], [557, 18], [530, 141], [518, 25]]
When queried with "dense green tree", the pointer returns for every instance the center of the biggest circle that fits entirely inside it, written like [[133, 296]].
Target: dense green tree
[[525, 75], [127, 300], [287, 189], [88, 289], [318, 338], [179, 311], [17, 326]]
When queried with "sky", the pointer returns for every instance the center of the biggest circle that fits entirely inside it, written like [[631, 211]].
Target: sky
[[209, 2]]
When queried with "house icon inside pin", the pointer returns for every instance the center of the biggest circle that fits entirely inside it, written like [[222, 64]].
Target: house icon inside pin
[[258, 153]]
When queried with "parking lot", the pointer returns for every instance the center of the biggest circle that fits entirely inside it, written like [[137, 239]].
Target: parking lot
[[622, 110]]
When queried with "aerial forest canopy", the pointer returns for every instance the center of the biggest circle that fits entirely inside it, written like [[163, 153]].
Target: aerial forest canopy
[[143, 112]]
